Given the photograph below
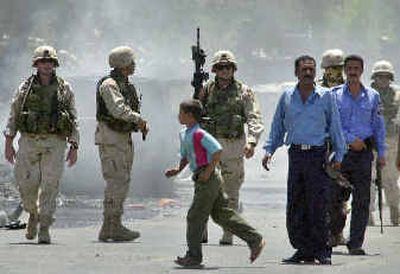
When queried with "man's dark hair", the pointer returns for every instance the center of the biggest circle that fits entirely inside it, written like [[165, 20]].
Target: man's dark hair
[[303, 58], [194, 107], [354, 57]]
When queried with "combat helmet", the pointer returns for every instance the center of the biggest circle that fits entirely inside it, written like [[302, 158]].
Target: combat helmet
[[332, 58], [45, 52], [384, 67], [121, 57], [223, 56]]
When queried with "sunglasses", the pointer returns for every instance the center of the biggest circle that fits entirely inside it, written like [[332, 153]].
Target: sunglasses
[[221, 67]]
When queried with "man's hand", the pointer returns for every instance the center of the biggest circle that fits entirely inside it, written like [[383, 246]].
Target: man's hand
[[358, 145], [248, 150], [171, 172], [9, 153], [72, 156], [381, 161], [336, 165], [266, 161]]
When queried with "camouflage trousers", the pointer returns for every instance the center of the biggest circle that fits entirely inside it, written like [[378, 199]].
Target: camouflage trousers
[[38, 170], [116, 164], [390, 177]]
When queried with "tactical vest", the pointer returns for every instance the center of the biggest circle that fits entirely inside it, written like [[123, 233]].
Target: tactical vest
[[131, 98], [44, 108], [390, 107], [225, 116]]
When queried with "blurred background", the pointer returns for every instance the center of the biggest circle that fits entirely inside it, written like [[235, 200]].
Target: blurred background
[[266, 37]]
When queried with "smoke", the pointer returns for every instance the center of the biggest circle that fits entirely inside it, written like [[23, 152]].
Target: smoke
[[266, 37]]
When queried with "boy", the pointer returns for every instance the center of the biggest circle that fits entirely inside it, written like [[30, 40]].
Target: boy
[[203, 152]]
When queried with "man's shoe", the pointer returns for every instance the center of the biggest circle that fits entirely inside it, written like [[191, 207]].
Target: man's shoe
[[324, 260], [298, 258], [255, 251], [188, 262], [357, 251], [222, 242]]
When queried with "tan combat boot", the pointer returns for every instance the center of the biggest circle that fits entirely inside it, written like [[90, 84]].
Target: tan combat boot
[[394, 215], [31, 230], [105, 231], [44, 235], [119, 233]]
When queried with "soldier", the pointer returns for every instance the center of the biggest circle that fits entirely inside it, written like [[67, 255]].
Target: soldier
[[118, 107], [43, 111], [382, 78], [363, 125], [306, 114], [230, 105], [332, 64]]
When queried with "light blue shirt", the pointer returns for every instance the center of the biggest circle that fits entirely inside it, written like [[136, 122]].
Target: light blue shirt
[[361, 116], [309, 123], [198, 146]]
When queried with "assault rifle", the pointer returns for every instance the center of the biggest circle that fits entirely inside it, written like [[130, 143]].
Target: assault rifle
[[378, 183], [199, 58]]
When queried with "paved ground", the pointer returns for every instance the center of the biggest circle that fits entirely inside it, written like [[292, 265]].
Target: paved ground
[[76, 250]]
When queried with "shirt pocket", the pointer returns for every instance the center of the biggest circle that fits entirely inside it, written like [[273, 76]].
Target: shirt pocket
[[365, 113]]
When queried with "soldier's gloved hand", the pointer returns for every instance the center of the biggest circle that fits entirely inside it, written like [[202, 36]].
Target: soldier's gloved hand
[[248, 150], [266, 161]]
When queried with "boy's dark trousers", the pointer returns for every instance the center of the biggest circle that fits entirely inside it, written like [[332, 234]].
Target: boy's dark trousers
[[209, 199]]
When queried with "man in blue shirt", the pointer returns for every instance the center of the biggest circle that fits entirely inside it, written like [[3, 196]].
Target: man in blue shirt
[[305, 117], [363, 126]]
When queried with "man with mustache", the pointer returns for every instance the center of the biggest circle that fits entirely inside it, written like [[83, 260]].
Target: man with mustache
[[363, 126], [305, 116]]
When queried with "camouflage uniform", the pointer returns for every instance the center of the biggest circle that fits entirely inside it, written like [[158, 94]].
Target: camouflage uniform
[[228, 110], [332, 63], [117, 116], [390, 96], [45, 116]]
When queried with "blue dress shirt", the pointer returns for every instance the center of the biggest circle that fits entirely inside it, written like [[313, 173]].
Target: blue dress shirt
[[308, 123], [361, 116]]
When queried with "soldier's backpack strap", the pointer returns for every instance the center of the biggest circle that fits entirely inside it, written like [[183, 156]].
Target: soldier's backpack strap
[[26, 90]]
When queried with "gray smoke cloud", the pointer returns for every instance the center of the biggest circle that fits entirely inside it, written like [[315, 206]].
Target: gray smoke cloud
[[266, 36]]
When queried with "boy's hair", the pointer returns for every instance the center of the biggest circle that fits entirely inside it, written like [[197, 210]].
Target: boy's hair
[[194, 107]]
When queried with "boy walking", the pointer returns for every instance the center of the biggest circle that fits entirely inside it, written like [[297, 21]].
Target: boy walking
[[203, 152]]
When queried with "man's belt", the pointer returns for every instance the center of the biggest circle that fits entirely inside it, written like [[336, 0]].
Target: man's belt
[[306, 147]]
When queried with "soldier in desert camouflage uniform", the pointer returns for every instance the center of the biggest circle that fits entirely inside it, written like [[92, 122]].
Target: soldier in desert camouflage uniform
[[230, 105], [332, 64], [382, 81], [43, 111], [118, 106]]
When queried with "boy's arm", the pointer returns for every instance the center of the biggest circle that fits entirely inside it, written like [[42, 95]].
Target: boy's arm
[[174, 171]]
